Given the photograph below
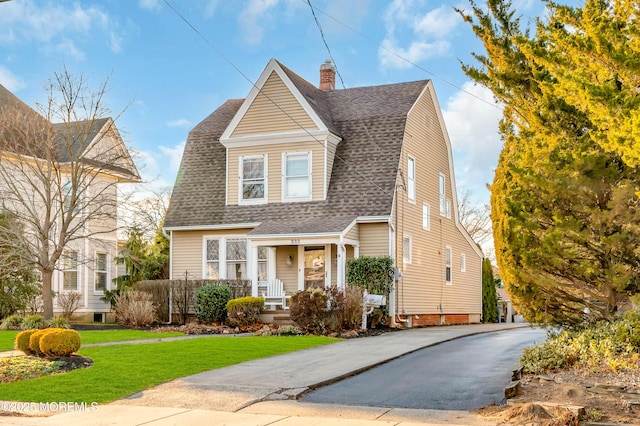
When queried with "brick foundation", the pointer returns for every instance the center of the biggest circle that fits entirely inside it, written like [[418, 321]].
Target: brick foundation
[[422, 320]]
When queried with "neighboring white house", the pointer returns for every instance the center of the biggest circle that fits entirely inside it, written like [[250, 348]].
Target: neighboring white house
[[87, 265]]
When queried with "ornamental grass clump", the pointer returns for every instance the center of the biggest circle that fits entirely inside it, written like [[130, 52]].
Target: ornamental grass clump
[[244, 311], [12, 322], [33, 321]]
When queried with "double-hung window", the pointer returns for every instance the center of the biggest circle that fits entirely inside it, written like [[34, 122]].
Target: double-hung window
[[297, 176], [212, 260], [411, 179], [447, 265], [406, 249], [236, 258], [263, 263], [70, 270], [443, 195], [426, 217], [253, 180], [101, 272]]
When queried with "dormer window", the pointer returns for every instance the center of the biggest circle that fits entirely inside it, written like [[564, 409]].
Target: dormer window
[[297, 176], [253, 180]]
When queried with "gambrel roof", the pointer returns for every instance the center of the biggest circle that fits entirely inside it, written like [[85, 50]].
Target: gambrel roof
[[370, 121]]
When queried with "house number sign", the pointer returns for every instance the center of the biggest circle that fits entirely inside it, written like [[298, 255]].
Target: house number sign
[[295, 241]]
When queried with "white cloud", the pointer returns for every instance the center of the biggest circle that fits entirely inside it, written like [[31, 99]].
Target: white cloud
[[12, 82], [149, 4], [210, 8], [174, 155], [472, 125], [393, 56], [415, 35], [438, 22], [55, 24], [69, 49], [253, 17], [180, 122]]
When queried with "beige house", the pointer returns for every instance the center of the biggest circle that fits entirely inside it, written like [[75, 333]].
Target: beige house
[[87, 264], [294, 180]]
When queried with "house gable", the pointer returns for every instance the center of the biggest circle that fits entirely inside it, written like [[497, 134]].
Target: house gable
[[274, 112], [108, 148]]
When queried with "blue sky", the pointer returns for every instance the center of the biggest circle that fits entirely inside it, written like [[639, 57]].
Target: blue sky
[[169, 78]]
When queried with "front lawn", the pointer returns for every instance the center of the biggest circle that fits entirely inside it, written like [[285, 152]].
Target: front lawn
[[122, 370], [87, 337]]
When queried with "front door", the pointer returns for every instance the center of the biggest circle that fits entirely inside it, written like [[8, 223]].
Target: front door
[[314, 268]]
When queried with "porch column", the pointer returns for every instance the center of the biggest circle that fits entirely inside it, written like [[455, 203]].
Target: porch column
[[253, 270], [341, 266]]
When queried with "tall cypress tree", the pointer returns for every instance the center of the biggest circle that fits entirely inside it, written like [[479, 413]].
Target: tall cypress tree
[[489, 296]]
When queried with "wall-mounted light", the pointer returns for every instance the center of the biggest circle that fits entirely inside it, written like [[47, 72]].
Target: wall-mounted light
[[290, 260]]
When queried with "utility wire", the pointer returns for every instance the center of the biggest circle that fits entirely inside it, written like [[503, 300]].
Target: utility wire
[[253, 84], [364, 36]]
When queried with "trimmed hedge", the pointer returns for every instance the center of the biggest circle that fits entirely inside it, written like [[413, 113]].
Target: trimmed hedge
[[244, 311], [21, 342], [34, 341], [58, 342]]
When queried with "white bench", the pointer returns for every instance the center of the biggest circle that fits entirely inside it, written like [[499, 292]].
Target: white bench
[[275, 295]]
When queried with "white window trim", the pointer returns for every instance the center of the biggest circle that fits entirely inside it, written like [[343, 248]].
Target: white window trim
[[284, 176], [426, 217], [411, 195], [448, 265], [64, 290], [222, 255], [107, 271], [406, 259], [442, 194], [463, 262], [221, 251], [250, 201]]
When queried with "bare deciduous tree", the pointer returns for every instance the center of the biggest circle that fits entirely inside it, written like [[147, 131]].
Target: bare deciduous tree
[[59, 172], [475, 217]]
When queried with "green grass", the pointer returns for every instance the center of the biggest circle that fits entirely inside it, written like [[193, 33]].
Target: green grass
[[122, 370], [7, 337]]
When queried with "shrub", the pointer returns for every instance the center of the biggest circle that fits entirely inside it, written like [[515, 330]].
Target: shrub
[[347, 307], [134, 308], [57, 342], [33, 321], [211, 303], [244, 311], [310, 310], [288, 330], [34, 341], [21, 342], [12, 322], [58, 322], [69, 302]]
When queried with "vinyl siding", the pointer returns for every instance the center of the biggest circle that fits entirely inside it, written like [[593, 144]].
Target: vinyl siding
[[275, 168], [263, 117], [374, 239], [288, 274], [422, 288], [186, 251], [354, 233]]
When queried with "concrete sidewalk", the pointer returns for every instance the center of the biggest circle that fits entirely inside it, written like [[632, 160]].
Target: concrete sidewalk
[[263, 391]]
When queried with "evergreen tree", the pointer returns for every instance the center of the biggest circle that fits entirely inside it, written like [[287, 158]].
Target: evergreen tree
[[489, 296], [564, 210]]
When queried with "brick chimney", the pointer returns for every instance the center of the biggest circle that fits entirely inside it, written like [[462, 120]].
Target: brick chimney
[[327, 76]]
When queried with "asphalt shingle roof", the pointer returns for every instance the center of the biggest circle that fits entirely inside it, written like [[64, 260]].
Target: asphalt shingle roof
[[371, 123]]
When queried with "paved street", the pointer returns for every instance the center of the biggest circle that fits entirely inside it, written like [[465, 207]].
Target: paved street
[[461, 374]]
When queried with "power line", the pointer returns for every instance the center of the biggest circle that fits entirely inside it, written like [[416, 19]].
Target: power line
[[364, 36]]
